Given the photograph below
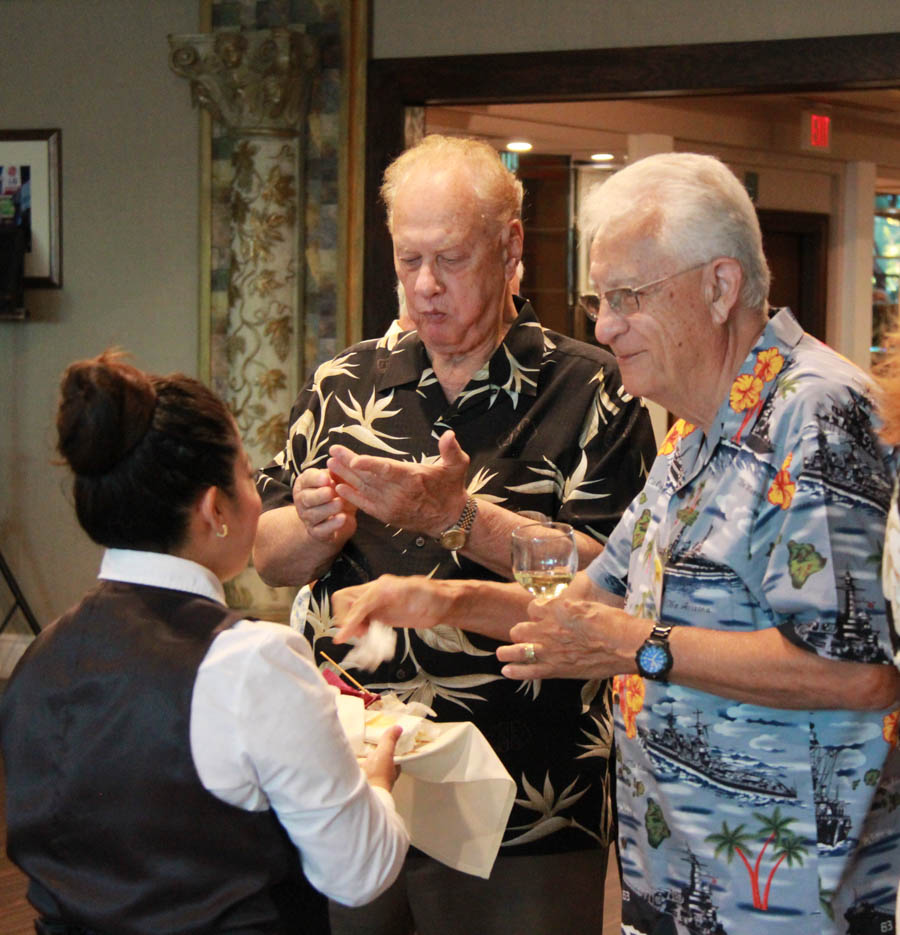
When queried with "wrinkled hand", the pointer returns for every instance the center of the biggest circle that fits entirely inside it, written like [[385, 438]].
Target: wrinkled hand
[[426, 498], [328, 518], [572, 639], [379, 765], [413, 601]]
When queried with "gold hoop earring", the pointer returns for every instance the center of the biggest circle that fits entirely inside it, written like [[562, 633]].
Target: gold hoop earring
[[223, 533]]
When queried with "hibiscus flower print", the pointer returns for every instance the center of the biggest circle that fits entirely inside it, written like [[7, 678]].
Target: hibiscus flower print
[[891, 729], [680, 429], [745, 392], [768, 364], [781, 493], [629, 689]]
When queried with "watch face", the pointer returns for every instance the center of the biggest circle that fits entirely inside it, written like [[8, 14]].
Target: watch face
[[453, 539], [654, 659]]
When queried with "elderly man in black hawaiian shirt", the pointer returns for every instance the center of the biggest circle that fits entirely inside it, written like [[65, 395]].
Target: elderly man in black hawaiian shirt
[[417, 454]]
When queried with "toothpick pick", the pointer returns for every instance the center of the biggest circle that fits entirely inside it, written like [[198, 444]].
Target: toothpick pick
[[344, 672]]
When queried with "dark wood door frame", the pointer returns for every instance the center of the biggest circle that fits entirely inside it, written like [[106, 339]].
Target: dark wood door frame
[[776, 66], [810, 233]]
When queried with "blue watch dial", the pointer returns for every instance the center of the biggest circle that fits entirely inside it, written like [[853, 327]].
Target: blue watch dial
[[654, 658]]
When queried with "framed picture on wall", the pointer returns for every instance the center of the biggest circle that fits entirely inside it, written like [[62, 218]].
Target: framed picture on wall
[[30, 177]]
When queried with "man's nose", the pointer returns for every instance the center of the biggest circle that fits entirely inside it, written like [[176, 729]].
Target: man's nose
[[426, 282], [609, 324]]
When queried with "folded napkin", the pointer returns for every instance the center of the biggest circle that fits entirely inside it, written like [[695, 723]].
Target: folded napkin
[[453, 792]]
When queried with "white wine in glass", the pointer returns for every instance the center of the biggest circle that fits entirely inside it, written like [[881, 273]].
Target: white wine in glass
[[544, 557]]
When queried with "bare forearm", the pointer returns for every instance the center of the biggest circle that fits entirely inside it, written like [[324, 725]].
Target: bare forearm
[[285, 554], [584, 639], [765, 668], [490, 536], [490, 608]]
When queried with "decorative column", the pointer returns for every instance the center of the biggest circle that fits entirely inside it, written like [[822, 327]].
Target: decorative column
[[255, 84]]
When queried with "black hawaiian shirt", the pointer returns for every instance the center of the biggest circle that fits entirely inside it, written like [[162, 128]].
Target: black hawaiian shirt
[[548, 427]]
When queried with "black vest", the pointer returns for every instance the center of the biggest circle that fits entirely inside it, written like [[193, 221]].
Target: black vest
[[105, 811]]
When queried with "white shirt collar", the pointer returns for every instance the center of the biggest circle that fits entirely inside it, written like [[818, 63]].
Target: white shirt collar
[[160, 570]]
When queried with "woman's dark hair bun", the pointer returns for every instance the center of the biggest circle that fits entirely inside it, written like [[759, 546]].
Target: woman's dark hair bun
[[106, 407]]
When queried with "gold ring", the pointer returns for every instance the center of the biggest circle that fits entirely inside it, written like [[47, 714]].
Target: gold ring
[[530, 656]]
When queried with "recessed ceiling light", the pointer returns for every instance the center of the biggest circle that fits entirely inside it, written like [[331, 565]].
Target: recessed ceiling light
[[602, 157], [519, 146]]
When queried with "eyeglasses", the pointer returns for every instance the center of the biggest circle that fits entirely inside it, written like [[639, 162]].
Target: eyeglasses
[[626, 300]]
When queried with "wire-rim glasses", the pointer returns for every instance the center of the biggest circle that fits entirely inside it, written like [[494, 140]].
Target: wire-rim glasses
[[625, 300]]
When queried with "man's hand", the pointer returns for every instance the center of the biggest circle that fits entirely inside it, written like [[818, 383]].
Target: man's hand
[[328, 518], [413, 601], [425, 498], [574, 639]]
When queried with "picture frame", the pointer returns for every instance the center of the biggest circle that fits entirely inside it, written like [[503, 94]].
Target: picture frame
[[30, 192]]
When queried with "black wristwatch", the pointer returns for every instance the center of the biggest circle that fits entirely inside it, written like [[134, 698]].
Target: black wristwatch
[[457, 535], [654, 658]]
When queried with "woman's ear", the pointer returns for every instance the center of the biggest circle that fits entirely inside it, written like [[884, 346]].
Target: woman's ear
[[208, 511], [723, 287]]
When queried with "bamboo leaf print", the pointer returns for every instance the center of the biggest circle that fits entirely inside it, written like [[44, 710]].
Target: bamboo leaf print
[[546, 804], [450, 640], [365, 418]]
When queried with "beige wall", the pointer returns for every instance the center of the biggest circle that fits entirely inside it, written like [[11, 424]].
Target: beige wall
[[98, 70], [434, 27]]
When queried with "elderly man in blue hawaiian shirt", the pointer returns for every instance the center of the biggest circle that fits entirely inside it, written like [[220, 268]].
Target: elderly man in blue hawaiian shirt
[[738, 603]]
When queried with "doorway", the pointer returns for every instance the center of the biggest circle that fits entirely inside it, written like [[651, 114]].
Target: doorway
[[796, 246], [832, 63]]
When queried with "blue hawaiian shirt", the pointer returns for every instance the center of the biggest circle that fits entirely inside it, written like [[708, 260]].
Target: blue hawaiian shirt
[[733, 817]]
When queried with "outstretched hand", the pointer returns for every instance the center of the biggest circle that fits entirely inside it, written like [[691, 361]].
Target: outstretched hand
[[413, 601], [425, 498]]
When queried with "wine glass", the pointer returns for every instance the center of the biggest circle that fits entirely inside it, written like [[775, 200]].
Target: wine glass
[[544, 557]]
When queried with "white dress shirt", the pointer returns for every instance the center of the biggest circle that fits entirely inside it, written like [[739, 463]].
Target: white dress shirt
[[265, 733]]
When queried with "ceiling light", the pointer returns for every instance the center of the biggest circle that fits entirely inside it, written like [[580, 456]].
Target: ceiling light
[[602, 157], [519, 146]]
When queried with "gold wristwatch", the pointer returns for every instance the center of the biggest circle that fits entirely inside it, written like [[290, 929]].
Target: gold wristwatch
[[456, 536]]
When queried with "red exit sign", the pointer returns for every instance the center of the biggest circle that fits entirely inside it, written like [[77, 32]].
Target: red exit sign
[[816, 131]]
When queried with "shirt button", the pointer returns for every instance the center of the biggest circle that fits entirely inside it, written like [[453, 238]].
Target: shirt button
[[420, 541], [400, 675]]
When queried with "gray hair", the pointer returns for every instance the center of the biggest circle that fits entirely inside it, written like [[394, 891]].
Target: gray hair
[[497, 189], [696, 209]]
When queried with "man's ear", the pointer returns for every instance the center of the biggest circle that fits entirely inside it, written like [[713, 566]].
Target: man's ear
[[722, 287], [514, 243]]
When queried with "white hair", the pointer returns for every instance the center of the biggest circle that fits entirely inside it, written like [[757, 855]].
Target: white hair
[[498, 191], [692, 205]]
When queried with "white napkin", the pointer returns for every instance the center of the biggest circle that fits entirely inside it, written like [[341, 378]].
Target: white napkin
[[455, 797], [453, 793], [375, 646], [352, 715]]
